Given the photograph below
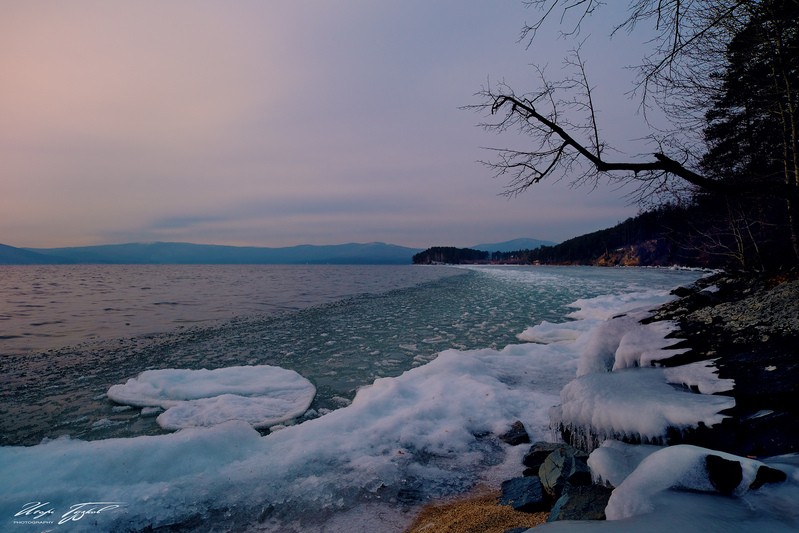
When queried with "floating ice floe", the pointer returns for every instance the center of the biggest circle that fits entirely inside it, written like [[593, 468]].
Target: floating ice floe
[[259, 395]]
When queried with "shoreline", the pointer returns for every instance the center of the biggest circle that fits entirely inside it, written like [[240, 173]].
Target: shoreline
[[747, 325]]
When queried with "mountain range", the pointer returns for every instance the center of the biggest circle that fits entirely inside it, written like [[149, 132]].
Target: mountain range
[[187, 253]]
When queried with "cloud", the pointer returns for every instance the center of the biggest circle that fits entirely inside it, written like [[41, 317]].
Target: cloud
[[264, 123]]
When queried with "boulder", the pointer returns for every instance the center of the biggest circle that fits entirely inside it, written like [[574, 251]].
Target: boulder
[[583, 502], [524, 494], [766, 474], [564, 465], [538, 453], [725, 475], [516, 435]]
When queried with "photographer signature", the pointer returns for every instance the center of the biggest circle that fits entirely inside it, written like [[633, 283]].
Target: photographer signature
[[38, 512]]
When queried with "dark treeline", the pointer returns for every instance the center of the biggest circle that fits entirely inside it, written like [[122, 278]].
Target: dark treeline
[[699, 235], [450, 255], [662, 237]]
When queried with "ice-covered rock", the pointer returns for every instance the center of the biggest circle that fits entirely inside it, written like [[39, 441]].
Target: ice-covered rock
[[681, 467], [634, 404]]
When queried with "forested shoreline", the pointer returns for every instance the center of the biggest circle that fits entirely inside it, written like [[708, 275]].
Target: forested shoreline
[[721, 185]]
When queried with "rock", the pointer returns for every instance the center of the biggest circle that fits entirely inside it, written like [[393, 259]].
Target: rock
[[562, 466], [749, 325], [517, 530], [682, 292], [516, 435], [766, 474], [725, 475], [538, 453], [584, 502], [524, 494]]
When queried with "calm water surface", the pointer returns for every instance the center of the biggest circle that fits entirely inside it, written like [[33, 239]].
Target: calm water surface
[[46, 307]]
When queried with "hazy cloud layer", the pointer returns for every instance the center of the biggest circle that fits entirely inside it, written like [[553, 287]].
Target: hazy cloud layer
[[274, 123]]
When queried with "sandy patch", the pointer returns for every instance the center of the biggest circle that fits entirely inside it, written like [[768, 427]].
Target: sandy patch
[[477, 513]]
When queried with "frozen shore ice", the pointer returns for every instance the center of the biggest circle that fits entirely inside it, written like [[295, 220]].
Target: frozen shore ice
[[423, 434], [261, 395]]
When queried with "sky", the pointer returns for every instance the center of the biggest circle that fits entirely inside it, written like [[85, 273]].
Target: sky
[[279, 123]]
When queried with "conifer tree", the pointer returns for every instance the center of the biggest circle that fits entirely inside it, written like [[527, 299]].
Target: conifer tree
[[725, 67]]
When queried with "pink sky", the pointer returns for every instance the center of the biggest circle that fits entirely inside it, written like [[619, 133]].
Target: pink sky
[[278, 123]]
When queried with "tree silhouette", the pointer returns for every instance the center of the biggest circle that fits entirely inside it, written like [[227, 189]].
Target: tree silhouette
[[700, 45]]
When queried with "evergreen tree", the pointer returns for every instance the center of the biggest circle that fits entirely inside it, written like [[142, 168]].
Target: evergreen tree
[[752, 135]]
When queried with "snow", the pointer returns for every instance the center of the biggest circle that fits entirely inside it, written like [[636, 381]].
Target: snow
[[674, 467], [609, 333], [613, 461], [666, 489], [422, 434], [260, 395], [637, 403], [427, 433], [701, 376], [607, 306], [624, 343], [548, 332]]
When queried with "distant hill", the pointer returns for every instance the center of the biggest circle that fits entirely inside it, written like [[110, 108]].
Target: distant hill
[[513, 245], [186, 253], [9, 255]]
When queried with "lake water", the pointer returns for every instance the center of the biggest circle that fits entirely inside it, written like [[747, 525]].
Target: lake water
[[45, 307], [70, 332]]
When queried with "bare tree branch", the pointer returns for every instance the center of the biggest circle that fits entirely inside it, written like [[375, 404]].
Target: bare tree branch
[[558, 150], [549, 6], [690, 44]]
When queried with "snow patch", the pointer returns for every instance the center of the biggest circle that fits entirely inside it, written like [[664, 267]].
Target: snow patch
[[624, 342], [613, 461], [701, 376], [548, 332], [638, 404]]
